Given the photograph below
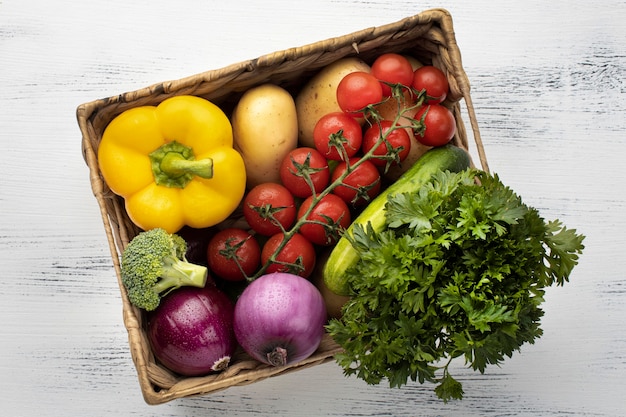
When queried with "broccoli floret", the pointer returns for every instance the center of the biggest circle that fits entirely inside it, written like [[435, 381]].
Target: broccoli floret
[[154, 264]]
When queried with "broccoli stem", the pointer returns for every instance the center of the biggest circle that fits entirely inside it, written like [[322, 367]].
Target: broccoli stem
[[174, 165], [178, 273]]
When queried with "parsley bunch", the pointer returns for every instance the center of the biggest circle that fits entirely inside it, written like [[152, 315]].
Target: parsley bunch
[[460, 270]]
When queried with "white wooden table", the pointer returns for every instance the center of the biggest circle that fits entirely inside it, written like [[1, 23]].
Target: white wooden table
[[549, 86]]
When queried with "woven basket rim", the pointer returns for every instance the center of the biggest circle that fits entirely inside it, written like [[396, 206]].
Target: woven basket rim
[[93, 115]]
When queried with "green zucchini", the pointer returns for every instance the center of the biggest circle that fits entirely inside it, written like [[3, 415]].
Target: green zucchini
[[343, 255]]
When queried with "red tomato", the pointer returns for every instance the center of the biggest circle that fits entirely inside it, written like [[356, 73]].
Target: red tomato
[[326, 221], [434, 81], [396, 138], [393, 69], [439, 125], [296, 257], [337, 134], [297, 164], [269, 206], [233, 254], [361, 185], [358, 90]]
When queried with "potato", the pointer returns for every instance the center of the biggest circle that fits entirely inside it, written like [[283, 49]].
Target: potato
[[415, 63], [334, 302], [265, 129], [389, 110], [319, 95]]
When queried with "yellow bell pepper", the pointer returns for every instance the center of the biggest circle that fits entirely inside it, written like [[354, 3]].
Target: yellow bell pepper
[[174, 164]]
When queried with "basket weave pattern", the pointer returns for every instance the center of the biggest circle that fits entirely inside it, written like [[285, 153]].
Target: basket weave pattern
[[428, 36]]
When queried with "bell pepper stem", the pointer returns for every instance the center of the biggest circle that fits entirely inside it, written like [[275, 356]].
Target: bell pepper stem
[[174, 165]]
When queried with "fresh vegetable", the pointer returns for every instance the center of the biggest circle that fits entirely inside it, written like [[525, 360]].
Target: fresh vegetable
[[392, 69], [459, 269], [403, 108], [265, 129], [433, 80], [191, 332], [269, 208], [415, 63], [279, 319], [357, 91], [343, 256], [304, 171], [319, 95], [439, 125], [297, 256], [416, 151], [338, 136], [362, 183], [173, 164], [334, 302], [325, 221], [233, 254], [154, 264], [393, 150]]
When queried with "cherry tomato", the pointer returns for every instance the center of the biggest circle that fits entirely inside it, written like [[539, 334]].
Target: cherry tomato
[[393, 69], [297, 164], [434, 81], [233, 254], [396, 138], [296, 257], [337, 134], [326, 221], [267, 207], [439, 125], [361, 185], [358, 90]]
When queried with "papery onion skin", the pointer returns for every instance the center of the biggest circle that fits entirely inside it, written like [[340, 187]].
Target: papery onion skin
[[279, 318], [191, 332]]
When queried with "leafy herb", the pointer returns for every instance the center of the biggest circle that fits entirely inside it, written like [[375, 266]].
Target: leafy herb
[[460, 271]]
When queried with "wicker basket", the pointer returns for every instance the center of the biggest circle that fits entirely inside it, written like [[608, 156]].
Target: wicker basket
[[428, 36]]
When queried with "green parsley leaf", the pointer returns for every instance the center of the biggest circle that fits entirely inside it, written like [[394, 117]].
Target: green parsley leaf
[[460, 271]]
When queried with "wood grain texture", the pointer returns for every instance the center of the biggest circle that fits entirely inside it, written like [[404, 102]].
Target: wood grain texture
[[549, 87]]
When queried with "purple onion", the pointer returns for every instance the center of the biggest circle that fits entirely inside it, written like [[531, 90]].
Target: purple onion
[[279, 318], [191, 332]]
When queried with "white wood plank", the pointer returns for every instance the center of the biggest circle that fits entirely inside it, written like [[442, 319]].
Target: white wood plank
[[548, 83]]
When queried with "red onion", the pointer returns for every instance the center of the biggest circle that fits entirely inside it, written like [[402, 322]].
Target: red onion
[[191, 332], [279, 318]]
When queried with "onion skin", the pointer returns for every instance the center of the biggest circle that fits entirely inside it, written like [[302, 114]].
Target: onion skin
[[191, 332], [279, 318]]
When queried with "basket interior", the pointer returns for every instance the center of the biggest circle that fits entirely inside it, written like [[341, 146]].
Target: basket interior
[[428, 36]]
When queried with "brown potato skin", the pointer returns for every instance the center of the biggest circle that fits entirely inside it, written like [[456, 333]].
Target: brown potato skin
[[334, 302]]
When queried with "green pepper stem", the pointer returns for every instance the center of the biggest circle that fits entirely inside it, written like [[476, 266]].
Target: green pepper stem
[[174, 165]]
